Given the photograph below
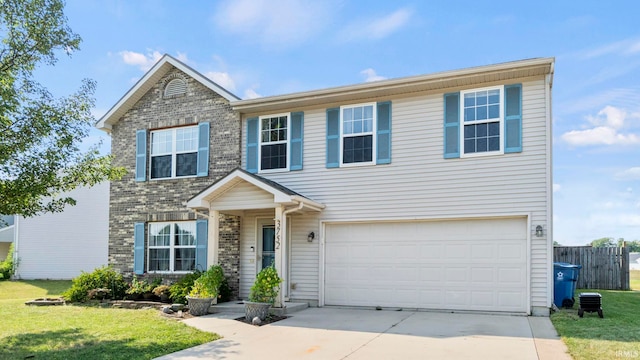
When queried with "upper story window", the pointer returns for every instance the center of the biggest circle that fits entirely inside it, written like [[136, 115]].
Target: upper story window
[[274, 144], [174, 152], [172, 247], [482, 121], [486, 121], [357, 136]]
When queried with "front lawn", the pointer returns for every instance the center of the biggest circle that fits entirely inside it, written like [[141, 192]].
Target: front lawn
[[84, 332], [617, 336]]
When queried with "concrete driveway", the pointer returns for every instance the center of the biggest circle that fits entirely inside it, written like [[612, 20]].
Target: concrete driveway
[[337, 333]]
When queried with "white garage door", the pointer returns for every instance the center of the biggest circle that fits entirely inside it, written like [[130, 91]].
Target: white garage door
[[458, 265]]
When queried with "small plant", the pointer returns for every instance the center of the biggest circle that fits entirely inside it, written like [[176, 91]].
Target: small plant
[[266, 287], [180, 290], [137, 288], [161, 290], [208, 284], [7, 266], [101, 278]]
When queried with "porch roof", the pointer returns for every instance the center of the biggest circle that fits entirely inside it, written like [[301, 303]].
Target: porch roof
[[282, 195]]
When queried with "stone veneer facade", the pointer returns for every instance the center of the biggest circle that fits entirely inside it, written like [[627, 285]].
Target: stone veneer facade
[[165, 200]]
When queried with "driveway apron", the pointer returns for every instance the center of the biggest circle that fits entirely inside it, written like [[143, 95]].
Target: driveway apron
[[354, 334]]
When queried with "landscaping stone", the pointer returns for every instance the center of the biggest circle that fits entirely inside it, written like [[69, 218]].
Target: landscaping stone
[[167, 310], [256, 321], [177, 307]]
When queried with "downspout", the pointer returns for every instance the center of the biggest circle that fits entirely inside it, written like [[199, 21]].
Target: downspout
[[286, 257], [16, 262], [549, 220]]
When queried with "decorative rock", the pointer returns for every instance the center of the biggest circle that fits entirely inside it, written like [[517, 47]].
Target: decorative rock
[[256, 321], [177, 307], [167, 310]]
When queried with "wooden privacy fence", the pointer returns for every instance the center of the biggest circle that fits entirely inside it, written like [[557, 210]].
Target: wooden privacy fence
[[602, 268]]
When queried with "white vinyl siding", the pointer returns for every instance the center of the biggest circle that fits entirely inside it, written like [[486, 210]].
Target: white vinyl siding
[[419, 183], [61, 245]]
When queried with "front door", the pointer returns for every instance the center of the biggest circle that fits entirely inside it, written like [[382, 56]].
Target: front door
[[268, 233]]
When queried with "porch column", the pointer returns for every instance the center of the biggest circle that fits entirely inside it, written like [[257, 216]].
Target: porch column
[[214, 238], [281, 252]]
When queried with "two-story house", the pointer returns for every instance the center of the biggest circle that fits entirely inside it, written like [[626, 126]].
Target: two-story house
[[429, 192]]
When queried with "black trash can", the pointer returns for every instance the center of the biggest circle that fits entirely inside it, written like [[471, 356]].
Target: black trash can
[[565, 278]]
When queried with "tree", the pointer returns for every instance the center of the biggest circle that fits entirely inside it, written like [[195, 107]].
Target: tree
[[40, 158], [603, 242]]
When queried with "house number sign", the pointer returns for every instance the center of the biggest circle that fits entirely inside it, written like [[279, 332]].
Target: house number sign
[[277, 234]]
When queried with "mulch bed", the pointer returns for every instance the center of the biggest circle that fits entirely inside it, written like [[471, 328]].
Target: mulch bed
[[269, 320]]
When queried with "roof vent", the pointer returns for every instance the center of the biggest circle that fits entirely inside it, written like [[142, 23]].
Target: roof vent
[[175, 87]]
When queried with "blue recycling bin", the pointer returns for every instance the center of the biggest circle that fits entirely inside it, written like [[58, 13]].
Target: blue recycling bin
[[565, 278]]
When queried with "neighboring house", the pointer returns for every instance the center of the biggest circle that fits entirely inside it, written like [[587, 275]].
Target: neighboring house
[[7, 229], [62, 245], [430, 191]]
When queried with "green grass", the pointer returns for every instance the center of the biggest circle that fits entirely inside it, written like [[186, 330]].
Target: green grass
[[84, 332], [617, 336]]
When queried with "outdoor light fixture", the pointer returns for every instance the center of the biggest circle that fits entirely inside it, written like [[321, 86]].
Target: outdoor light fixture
[[539, 231], [311, 236]]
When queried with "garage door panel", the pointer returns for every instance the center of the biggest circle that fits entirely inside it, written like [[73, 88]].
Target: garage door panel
[[460, 265]]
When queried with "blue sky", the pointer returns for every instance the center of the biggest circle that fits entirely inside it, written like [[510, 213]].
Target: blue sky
[[269, 47]]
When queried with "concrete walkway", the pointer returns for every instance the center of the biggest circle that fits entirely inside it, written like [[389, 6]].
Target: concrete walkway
[[353, 334]]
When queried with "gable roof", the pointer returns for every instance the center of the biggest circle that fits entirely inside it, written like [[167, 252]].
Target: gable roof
[[281, 194], [149, 79], [439, 81]]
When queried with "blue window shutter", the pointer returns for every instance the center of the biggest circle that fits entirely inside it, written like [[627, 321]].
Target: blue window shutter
[[383, 140], [202, 233], [203, 149], [141, 155], [297, 130], [452, 125], [513, 118], [333, 138], [252, 145], [138, 248]]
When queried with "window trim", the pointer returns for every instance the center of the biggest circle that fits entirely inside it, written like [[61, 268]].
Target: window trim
[[260, 143], [374, 132], [500, 123], [174, 152], [171, 247]]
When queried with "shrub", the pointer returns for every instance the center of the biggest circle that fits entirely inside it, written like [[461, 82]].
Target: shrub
[[7, 266], [266, 287], [181, 289], [208, 284], [101, 278], [225, 291], [139, 287]]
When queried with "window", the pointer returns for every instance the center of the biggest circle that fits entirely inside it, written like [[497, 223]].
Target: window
[[274, 133], [174, 152], [482, 121], [172, 247], [358, 126]]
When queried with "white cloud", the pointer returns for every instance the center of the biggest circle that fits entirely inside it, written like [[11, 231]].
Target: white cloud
[[556, 187], [274, 22], [223, 79], [622, 47], [370, 75], [629, 174], [608, 124], [601, 135], [377, 28], [144, 62], [251, 94]]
